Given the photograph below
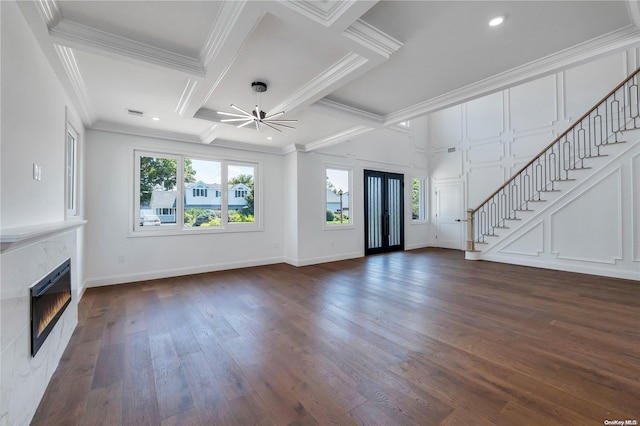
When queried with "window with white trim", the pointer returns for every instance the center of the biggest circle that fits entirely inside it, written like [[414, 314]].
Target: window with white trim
[[418, 199], [71, 166], [337, 196], [208, 192]]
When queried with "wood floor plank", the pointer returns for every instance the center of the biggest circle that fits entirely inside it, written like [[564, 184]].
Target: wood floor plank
[[420, 337], [140, 402], [104, 406]]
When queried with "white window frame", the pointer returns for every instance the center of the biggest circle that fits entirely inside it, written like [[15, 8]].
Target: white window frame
[[71, 171], [256, 194], [136, 197], [337, 226], [179, 228], [423, 199]]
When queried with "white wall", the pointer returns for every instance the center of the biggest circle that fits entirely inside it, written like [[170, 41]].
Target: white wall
[[115, 255], [389, 150], [495, 135], [35, 110]]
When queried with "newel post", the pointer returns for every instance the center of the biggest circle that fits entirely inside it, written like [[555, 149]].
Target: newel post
[[470, 244]]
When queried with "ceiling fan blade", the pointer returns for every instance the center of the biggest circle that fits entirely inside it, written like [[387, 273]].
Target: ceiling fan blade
[[257, 125], [229, 120], [274, 115], [281, 121], [277, 124], [231, 114], [274, 128], [241, 110], [244, 124]]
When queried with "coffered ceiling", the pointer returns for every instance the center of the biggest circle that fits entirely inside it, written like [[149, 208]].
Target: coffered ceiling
[[341, 68]]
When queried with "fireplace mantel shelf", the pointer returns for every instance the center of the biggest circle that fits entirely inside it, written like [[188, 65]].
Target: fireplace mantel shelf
[[14, 237]]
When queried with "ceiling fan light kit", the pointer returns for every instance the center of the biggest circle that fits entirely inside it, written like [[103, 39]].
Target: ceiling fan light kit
[[256, 116]]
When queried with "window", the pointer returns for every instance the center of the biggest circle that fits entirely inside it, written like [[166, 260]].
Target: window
[[337, 201], [157, 191], [241, 185], [418, 199], [199, 211], [71, 165], [191, 205]]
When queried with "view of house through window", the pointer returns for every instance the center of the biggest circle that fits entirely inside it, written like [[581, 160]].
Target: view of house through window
[[201, 201], [158, 177], [418, 209], [337, 196], [202, 195], [241, 193]]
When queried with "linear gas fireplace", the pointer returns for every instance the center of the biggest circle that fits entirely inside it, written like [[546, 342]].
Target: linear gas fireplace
[[49, 298]]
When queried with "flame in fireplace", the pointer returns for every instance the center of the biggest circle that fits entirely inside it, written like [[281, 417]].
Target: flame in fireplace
[[50, 311]]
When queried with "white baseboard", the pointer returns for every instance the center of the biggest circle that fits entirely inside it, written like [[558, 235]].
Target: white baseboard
[[583, 268], [322, 259], [416, 246], [175, 272]]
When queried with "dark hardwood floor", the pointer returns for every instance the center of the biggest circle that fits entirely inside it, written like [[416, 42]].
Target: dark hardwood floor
[[409, 338]]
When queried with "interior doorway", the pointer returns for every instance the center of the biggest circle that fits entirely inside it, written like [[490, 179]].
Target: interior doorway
[[384, 212], [449, 215]]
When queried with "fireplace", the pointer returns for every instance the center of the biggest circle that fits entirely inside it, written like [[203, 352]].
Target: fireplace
[[49, 298]]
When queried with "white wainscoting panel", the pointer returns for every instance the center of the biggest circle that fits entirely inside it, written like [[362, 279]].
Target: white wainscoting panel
[[530, 243], [533, 105], [485, 152], [484, 117], [480, 182], [587, 84], [594, 215], [444, 128]]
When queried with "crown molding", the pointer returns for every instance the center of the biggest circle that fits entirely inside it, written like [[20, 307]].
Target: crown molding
[[126, 129], [583, 52], [223, 25], [324, 13], [70, 65], [71, 32], [372, 38], [337, 138], [322, 83], [338, 110], [50, 12]]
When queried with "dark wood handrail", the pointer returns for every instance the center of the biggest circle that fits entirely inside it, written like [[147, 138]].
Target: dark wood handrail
[[556, 140]]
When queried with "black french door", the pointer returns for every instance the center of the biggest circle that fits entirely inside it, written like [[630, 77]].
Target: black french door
[[384, 212]]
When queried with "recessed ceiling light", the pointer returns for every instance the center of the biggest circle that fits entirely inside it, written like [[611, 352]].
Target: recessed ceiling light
[[269, 138], [496, 21], [155, 119]]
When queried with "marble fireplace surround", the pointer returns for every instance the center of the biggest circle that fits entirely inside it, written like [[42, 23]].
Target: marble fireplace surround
[[28, 254]]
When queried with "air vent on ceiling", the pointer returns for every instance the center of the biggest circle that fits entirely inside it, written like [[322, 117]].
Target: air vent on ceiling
[[451, 149], [135, 112]]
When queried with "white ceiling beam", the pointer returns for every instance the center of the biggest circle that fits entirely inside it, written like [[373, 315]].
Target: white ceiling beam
[[337, 138], [72, 34], [322, 84]]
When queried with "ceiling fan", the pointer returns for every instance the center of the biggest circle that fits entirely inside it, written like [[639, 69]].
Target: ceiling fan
[[256, 116]]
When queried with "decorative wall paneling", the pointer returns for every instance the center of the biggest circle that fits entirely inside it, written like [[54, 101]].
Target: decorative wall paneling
[[485, 141]]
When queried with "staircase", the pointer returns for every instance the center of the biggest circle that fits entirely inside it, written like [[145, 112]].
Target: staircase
[[605, 133]]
